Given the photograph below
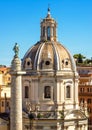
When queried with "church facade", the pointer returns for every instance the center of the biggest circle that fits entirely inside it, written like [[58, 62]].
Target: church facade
[[50, 85]]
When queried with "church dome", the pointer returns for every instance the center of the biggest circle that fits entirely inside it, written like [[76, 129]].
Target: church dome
[[48, 54]]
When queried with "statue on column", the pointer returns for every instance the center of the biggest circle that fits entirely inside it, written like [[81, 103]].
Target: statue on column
[[16, 50]]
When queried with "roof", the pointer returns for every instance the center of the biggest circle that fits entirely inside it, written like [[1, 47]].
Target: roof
[[48, 55]]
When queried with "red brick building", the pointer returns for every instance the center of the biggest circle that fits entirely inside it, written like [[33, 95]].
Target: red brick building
[[85, 89]]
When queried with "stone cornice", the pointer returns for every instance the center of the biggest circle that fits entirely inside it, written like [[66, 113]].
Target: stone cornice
[[17, 72]]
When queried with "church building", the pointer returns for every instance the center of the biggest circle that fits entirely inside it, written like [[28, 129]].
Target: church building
[[49, 85]]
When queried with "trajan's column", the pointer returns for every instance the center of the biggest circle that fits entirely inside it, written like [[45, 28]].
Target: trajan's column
[[16, 92]]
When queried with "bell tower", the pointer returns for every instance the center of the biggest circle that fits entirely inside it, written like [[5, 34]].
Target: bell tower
[[48, 28]]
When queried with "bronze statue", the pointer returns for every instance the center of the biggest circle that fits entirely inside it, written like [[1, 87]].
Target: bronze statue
[[16, 50]]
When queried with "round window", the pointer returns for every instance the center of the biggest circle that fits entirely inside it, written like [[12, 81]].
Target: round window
[[47, 62]]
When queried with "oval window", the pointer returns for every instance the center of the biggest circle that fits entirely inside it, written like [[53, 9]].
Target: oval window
[[66, 62], [28, 63]]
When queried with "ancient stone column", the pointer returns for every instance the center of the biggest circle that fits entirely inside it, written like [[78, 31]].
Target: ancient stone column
[[16, 94]]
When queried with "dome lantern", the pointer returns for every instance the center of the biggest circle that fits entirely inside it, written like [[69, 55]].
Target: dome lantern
[[48, 28]]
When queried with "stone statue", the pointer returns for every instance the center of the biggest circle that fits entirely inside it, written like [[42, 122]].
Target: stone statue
[[16, 50]]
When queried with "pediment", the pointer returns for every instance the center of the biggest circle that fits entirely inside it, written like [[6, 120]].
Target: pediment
[[75, 114]]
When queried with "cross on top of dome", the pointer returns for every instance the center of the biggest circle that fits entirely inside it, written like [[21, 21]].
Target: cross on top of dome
[[48, 10], [48, 14]]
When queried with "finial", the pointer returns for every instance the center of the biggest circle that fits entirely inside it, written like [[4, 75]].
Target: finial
[[48, 8], [48, 15], [16, 50]]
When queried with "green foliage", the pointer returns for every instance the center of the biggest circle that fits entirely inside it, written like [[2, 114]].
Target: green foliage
[[79, 57], [88, 61], [61, 114], [82, 60], [39, 115]]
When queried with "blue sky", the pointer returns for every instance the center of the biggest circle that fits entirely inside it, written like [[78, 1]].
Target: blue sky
[[20, 22]]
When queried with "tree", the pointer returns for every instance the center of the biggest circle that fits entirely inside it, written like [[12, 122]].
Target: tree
[[88, 61], [79, 57]]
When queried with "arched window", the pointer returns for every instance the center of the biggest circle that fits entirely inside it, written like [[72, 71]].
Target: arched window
[[47, 92], [44, 31], [53, 31], [89, 101], [48, 33], [2, 103], [68, 92], [26, 92]]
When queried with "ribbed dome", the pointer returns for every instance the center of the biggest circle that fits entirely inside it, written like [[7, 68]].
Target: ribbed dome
[[48, 54]]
